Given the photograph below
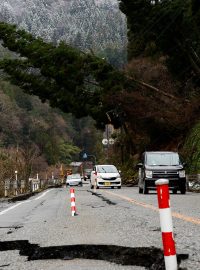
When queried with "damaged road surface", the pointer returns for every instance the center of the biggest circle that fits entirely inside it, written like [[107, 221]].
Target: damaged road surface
[[150, 258], [109, 232]]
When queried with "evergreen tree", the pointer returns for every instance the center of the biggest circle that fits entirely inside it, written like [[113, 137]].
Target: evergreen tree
[[84, 84], [169, 28], [61, 74]]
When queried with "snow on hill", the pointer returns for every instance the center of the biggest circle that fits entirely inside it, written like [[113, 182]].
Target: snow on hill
[[86, 24]]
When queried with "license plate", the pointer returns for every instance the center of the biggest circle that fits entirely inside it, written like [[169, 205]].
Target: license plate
[[107, 184]]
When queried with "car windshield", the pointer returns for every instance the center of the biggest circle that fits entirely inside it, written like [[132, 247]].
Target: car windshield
[[74, 176], [107, 169], [162, 159]]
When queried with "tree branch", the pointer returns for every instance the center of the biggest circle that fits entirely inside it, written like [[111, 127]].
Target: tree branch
[[151, 87]]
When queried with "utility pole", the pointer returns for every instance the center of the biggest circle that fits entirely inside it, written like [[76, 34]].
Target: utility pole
[[107, 137], [16, 185], [108, 141]]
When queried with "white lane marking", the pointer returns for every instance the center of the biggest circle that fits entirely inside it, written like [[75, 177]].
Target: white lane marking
[[14, 206], [43, 194], [10, 208]]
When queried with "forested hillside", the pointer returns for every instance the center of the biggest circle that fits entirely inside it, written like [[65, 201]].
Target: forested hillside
[[164, 52], [89, 25], [155, 100], [97, 26], [26, 121]]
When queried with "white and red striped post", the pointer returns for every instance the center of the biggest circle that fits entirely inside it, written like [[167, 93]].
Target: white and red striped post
[[73, 207], [95, 182], [166, 224]]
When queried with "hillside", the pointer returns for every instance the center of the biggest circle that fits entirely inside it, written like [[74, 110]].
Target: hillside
[[95, 25], [26, 121], [88, 24]]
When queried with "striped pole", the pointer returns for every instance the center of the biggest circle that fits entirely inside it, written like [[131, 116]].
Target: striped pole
[[73, 207], [95, 185], [166, 224]]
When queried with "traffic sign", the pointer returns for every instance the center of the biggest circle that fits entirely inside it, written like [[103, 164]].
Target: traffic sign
[[111, 141], [85, 156], [105, 141]]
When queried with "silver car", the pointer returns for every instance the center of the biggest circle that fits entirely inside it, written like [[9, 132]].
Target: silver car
[[74, 180]]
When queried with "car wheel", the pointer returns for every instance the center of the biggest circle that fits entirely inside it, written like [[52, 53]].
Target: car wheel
[[174, 191], [140, 190], [112, 187], [119, 187], [183, 190], [145, 190]]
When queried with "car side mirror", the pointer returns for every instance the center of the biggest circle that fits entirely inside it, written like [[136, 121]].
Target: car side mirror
[[184, 164]]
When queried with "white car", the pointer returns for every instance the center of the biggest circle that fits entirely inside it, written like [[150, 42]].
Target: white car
[[105, 176], [74, 180]]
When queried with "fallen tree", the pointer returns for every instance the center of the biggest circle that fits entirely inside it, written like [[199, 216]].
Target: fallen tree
[[84, 84]]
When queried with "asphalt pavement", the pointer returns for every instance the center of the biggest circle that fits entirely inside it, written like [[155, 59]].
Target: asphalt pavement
[[113, 229]]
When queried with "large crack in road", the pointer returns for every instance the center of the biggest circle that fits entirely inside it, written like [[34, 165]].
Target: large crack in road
[[149, 257], [102, 197]]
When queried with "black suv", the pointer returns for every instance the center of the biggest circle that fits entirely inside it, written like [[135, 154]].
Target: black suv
[[165, 165]]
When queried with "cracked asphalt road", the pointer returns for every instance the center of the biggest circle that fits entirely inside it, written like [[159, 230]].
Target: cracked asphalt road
[[123, 221]]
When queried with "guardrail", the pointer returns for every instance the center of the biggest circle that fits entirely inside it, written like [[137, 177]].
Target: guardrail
[[193, 182], [13, 187], [10, 187]]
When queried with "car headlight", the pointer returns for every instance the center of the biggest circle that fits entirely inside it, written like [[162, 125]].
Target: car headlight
[[148, 174], [182, 174]]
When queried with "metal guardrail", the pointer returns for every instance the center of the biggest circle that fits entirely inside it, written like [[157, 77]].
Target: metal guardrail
[[11, 187], [193, 182]]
